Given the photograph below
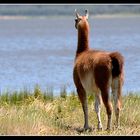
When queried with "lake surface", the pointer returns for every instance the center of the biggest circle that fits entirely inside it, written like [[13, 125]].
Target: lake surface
[[42, 50]]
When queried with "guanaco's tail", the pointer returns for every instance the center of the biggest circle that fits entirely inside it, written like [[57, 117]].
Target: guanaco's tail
[[117, 63]]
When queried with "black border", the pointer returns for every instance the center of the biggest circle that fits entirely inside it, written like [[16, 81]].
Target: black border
[[70, 2], [71, 137]]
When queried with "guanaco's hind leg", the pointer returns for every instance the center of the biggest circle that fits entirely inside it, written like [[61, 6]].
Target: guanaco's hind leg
[[102, 75], [108, 105], [98, 102], [83, 98], [116, 92]]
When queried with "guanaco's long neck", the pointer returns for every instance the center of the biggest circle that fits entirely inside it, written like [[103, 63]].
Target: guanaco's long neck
[[83, 39]]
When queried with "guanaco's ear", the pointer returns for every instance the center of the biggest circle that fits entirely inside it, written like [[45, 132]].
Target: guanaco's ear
[[86, 13], [77, 15]]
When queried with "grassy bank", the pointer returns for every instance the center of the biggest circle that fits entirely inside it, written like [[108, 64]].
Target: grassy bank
[[40, 113]]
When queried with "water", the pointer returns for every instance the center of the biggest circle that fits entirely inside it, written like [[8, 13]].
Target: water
[[41, 50]]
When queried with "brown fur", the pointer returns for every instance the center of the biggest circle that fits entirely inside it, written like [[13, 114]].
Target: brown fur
[[117, 62], [94, 70]]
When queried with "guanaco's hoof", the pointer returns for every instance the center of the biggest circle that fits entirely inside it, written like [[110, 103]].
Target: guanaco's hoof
[[89, 129], [100, 128], [118, 128], [108, 129]]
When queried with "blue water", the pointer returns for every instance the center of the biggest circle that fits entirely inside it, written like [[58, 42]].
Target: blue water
[[42, 50]]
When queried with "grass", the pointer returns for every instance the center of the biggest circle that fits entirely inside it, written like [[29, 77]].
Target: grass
[[40, 113]]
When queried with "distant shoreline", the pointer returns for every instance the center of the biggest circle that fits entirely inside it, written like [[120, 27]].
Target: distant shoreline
[[5, 17], [13, 17]]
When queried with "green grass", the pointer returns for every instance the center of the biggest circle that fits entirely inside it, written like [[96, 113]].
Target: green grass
[[40, 113]]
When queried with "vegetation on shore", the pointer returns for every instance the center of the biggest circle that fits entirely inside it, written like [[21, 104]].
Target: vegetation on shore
[[40, 113]]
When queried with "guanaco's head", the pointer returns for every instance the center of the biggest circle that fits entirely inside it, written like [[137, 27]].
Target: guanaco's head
[[81, 19]]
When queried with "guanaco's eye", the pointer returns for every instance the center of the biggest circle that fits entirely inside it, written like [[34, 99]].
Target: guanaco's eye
[[76, 20]]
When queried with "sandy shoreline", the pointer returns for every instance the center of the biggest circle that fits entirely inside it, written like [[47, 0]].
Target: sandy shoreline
[[7, 17], [13, 17], [115, 15]]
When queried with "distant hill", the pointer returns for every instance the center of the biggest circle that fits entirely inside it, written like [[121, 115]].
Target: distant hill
[[44, 10]]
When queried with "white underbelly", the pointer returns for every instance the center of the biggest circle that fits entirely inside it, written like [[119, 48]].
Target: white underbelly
[[88, 83]]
